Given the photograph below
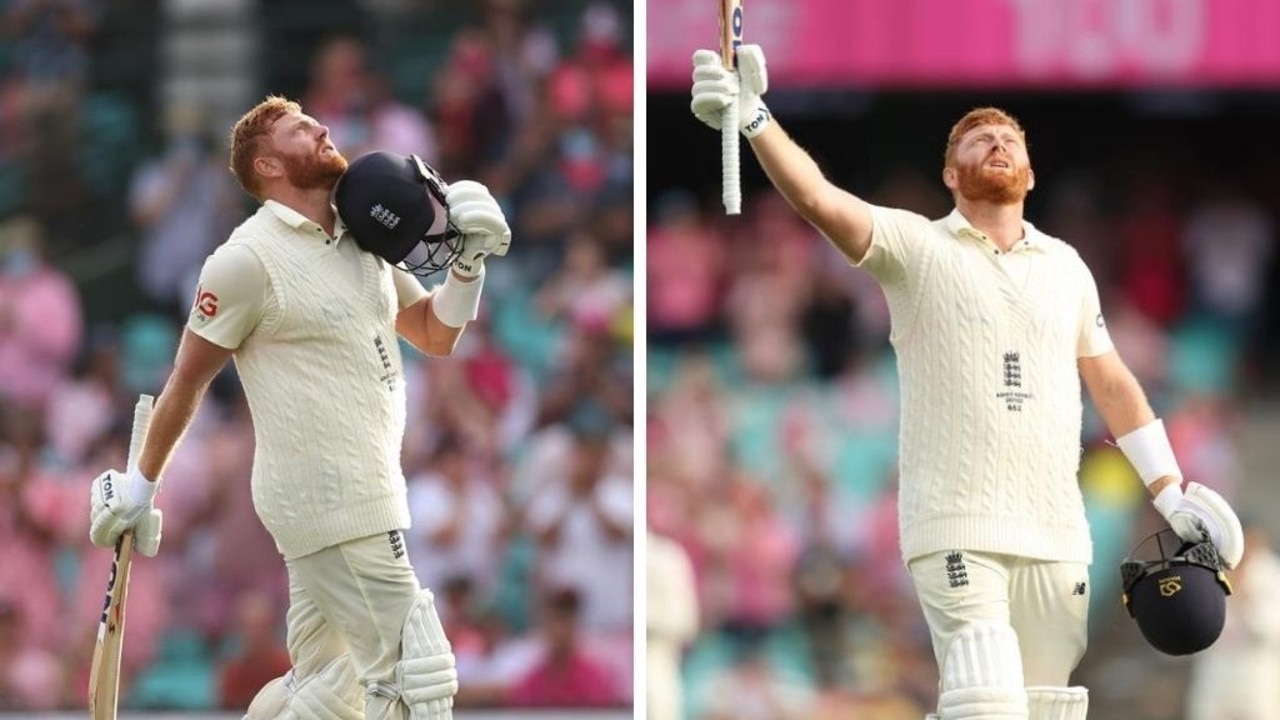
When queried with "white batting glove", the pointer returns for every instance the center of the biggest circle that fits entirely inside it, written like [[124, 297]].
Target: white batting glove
[[714, 87], [124, 501], [479, 218], [1201, 514]]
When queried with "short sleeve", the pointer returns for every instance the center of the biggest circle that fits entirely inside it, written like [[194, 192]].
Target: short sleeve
[[408, 289], [896, 239], [231, 297], [1093, 339]]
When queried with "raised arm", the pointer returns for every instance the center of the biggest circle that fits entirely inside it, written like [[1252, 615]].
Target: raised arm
[[841, 216]]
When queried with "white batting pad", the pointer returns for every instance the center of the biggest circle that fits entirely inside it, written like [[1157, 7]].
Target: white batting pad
[[331, 694], [1219, 520], [1058, 703], [982, 675], [983, 704], [428, 678]]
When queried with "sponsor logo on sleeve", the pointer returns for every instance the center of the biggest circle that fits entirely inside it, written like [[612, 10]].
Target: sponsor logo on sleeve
[[206, 305]]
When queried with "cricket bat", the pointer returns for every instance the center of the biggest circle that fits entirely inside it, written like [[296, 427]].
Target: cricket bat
[[104, 675], [730, 39]]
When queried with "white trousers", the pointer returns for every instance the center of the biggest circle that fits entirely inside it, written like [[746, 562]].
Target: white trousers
[[350, 597], [1046, 604]]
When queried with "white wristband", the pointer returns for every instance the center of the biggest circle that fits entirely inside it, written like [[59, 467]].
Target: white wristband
[[138, 490], [1150, 453], [457, 302]]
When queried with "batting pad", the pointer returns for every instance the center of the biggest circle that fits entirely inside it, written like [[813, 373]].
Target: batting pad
[[1058, 703], [331, 694], [982, 675], [426, 674]]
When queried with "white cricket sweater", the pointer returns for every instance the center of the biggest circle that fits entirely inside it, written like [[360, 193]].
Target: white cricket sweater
[[322, 374], [987, 344]]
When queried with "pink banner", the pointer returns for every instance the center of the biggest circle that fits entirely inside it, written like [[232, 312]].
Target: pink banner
[[1015, 43]]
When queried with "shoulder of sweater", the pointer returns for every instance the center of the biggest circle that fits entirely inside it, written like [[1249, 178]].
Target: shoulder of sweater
[[1055, 245]]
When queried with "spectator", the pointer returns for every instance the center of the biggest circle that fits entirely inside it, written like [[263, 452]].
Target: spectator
[[261, 655], [566, 675], [30, 676], [583, 524], [686, 273], [1235, 677], [181, 202], [458, 521], [752, 689], [40, 323], [355, 103]]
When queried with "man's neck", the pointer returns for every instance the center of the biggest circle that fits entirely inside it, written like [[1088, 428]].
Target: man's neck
[[314, 205], [1001, 223]]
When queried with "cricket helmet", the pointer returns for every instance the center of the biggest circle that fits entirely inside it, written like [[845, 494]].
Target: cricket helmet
[[395, 206], [1178, 599]]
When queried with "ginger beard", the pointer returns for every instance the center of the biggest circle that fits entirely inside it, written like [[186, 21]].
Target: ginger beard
[[979, 183], [314, 171]]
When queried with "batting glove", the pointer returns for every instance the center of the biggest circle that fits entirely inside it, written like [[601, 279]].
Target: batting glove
[[477, 215], [1201, 514], [124, 501], [714, 87]]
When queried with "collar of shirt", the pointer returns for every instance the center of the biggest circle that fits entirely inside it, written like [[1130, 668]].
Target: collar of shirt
[[298, 221], [1032, 239]]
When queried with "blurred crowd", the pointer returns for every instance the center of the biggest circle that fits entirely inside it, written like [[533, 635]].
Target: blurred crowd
[[518, 451], [772, 435]]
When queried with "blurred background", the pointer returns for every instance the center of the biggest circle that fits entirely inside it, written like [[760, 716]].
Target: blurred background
[[772, 395], [114, 116]]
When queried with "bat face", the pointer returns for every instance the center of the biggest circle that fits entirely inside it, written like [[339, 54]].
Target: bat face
[[730, 31], [104, 674]]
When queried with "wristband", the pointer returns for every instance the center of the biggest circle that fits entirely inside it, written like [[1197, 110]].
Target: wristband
[[1150, 453], [457, 303], [138, 490]]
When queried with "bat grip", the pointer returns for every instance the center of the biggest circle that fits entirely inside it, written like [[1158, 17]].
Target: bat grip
[[141, 421], [731, 192]]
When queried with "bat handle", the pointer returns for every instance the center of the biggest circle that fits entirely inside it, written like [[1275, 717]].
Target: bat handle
[[731, 192], [141, 421]]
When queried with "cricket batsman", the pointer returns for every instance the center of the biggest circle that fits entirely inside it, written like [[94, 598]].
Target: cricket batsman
[[309, 298], [994, 324]]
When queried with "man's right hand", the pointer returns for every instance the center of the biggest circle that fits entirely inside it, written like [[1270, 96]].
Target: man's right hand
[[714, 87], [124, 501]]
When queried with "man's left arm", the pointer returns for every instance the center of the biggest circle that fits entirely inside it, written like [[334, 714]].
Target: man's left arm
[[1195, 514]]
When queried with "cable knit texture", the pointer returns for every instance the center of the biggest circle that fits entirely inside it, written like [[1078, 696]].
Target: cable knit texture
[[322, 373], [991, 405]]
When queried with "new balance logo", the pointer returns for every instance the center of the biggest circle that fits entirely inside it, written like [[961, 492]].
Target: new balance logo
[[1080, 589], [397, 544], [384, 216], [957, 574]]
